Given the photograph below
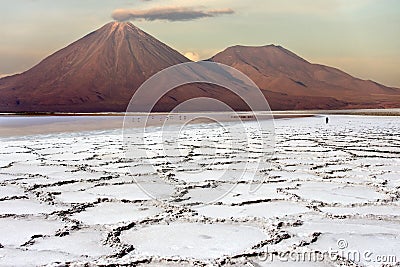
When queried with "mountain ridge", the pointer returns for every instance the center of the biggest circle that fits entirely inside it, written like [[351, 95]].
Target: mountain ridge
[[101, 71], [277, 69]]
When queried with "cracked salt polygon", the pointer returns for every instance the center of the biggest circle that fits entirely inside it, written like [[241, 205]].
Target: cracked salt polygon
[[193, 240]]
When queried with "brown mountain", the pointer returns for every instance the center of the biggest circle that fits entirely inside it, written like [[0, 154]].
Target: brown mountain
[[101, 72], [96, 73], [276, 69]]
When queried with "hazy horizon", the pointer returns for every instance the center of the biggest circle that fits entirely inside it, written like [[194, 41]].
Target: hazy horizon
[[359, 37]]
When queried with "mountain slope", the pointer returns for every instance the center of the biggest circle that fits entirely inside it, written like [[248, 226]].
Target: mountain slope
[[99, 72], [276, 69]]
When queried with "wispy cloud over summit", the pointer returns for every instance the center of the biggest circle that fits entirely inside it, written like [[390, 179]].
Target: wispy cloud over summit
[[168, 13]]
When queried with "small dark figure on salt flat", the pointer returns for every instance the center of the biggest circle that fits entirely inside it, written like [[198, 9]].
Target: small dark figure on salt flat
[[327, 120]]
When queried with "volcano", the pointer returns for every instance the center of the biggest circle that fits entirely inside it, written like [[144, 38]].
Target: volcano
[[101, 72]]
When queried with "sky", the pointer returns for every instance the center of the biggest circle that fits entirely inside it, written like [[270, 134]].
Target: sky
[[361, 37]]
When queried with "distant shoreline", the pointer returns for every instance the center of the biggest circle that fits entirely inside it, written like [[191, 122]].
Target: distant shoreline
[[361, 112], [366, 112]]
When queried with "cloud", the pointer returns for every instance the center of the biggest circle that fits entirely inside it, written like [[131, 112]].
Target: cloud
[[193, 56], [168, 13]]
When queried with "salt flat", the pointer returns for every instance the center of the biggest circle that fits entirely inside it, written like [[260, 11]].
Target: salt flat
[[75, 198]]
